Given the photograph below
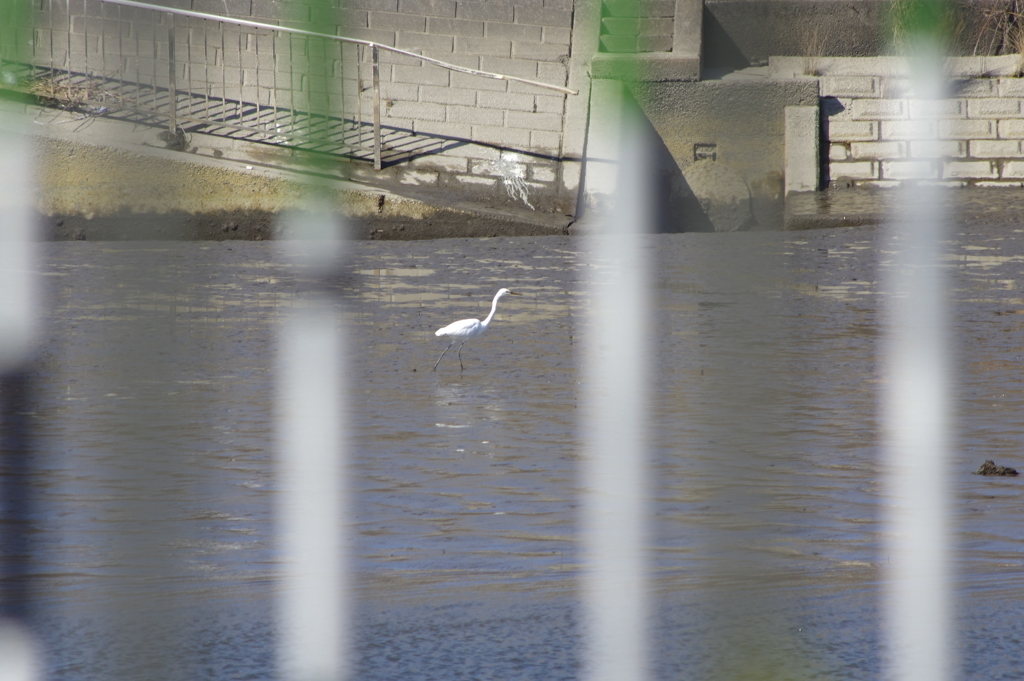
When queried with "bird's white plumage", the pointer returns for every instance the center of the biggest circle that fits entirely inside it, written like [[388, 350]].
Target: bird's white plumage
[[464, 329]]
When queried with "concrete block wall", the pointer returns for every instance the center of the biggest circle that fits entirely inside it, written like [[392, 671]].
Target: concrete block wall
[[877, 134], [632, 26], [651, 40], [529, 40], [508, 135], [872, 141]]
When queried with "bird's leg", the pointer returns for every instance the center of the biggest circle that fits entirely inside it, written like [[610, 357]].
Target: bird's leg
[[442, 355], [460, 356]]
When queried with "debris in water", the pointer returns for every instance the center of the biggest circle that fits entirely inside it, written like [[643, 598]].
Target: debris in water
[[990, 468]]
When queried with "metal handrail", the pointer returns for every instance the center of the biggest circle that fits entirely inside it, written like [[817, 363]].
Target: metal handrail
[[374, 52], [355, 41]]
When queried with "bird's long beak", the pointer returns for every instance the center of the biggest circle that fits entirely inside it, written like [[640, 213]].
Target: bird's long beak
[[513, 293]]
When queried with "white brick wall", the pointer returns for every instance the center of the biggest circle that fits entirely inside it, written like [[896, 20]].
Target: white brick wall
[[994, 107], [850, 86], [853, 131], [878, 109], [949, 108], [970, 170], [938, 149], [994, 148], [908, 130], [909, 170], [1013, 170], [878, 150], [968, 129], [878, 135]]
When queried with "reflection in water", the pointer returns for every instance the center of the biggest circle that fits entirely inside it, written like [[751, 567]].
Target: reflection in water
[[154, 424]]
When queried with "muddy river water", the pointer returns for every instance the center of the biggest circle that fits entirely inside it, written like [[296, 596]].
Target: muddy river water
[[153, 423]]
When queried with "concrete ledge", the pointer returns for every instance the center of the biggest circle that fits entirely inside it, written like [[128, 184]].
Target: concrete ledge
[[688, 38], [649, 67], [785, 68], [857, 206]]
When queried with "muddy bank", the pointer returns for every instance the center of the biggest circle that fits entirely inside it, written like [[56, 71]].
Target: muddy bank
[[91, 192], [846, 206], [258, 225]]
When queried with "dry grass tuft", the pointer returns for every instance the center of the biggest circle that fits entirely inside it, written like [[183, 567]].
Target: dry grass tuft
[[817, 43]]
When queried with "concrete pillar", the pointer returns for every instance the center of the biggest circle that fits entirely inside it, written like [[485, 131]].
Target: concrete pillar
[[688, 34], [585, 39], [802, 149]]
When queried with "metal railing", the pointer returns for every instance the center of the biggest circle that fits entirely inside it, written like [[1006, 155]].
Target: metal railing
[[221, 75]]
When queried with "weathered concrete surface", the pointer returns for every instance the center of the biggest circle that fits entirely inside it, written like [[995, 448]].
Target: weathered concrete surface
[[724, 197], [742, 33], [103, 179], [738, 125], [673, 205]]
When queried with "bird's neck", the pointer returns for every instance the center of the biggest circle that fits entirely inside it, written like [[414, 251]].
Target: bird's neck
[[494, 308]]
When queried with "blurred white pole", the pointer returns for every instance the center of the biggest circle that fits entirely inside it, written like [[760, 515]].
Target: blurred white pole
[[18, 285], [20, 658], [916, 416], [19, 653], [312, 419], [615, 396]]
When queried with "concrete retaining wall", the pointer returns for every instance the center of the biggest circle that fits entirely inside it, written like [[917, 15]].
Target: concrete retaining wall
[[873, 125]]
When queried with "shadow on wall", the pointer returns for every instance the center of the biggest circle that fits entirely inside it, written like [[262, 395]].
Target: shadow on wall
[[742, 33], [676, 207], [708, 198], [708, 194], [721, 53]]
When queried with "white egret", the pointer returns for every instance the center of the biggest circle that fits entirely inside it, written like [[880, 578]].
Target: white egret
[[464, 329]]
